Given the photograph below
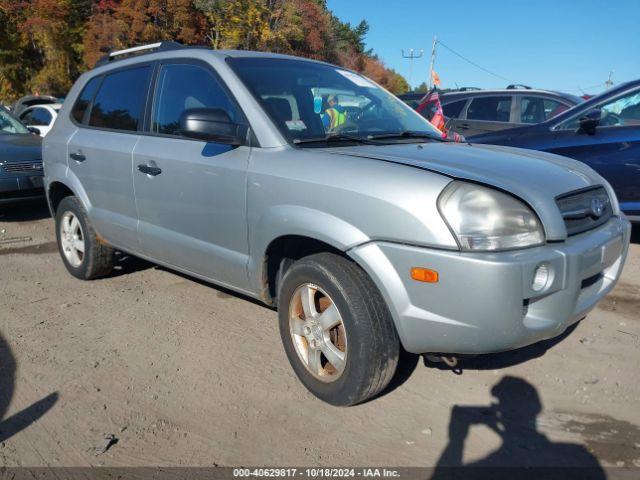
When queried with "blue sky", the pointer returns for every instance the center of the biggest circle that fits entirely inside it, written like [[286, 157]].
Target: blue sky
[[560, 44]]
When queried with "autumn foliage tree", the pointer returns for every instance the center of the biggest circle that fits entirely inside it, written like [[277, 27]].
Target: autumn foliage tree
[[46, 44]]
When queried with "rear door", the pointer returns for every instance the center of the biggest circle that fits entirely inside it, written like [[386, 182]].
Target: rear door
[[192, 210], [486, 114], [109, 114]]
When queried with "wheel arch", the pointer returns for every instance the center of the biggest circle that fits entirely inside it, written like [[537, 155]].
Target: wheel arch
[[287, 233], [60, 186], [56, 192]]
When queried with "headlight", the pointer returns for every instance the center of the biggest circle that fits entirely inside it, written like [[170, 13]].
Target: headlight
[[487, 219]]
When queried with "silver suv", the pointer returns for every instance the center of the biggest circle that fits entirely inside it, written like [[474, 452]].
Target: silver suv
[[310, 188]]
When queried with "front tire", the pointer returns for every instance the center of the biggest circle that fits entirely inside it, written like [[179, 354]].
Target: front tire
[[336, 329], [82, 253]]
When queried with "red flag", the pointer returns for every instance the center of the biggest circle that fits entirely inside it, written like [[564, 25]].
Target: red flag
[[431, 108]]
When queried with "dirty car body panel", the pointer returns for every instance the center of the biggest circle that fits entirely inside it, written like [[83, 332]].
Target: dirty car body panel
[[215, 215]]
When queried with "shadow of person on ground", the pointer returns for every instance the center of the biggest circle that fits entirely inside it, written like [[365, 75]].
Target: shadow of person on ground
[[21, 420], [513, 419], [25, 212]]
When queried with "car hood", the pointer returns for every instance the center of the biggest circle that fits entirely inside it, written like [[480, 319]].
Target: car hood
[[535, 177], [20, 148]]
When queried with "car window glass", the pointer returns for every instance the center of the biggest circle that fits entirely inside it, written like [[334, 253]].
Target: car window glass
[[537, 109], [26, 117], [9, 124], [494, 109], [453, 109], [83, 101], [40, 117], [553, 108], [182, 87], [619, 112], [120, 101], [309, 101], [622, 111]]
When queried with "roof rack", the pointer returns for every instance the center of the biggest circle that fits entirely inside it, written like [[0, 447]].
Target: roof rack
[[467, 89], [516, 86], [139, 50]]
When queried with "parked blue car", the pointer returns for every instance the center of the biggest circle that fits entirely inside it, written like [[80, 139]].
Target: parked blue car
[[603, 132]]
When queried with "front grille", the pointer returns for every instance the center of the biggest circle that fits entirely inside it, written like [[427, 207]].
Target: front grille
[[33, 166], [584, 209]]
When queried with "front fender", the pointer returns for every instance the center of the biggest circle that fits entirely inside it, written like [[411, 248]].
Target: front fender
[[285, 220]]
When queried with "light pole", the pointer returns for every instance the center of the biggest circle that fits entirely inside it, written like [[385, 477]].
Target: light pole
[[433, 61], [412, 54]]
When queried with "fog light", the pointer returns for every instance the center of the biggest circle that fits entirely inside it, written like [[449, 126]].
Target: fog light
[[540, 277]]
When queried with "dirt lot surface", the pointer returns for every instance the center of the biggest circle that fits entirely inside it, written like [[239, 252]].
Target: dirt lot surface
[[183, 373]]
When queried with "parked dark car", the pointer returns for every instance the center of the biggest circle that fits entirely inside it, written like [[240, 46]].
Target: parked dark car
[[603, 132], [472, 112], [412, 98], [20, 161]]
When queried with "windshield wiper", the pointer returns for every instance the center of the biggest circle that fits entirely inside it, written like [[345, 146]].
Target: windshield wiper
[[407, 134], [335, 137]]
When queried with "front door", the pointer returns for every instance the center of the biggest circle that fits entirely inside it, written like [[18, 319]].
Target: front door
[[191, 194]]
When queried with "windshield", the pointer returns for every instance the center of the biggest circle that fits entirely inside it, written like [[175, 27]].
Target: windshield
[[308, 101], [10, 125]]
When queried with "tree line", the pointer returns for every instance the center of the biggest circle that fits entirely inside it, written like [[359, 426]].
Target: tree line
[[46, 44]]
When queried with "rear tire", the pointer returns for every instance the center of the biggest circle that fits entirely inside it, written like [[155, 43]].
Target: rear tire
[[82, 253], [344, 316]]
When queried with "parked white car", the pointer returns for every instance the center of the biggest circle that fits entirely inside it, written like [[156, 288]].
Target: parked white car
[[41, 117]]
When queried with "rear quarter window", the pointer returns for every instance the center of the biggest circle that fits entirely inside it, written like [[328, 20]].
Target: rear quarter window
[[84, 99], [453, 109]]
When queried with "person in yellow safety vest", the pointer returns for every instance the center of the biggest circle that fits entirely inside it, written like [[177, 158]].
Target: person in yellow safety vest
[[335, 115]]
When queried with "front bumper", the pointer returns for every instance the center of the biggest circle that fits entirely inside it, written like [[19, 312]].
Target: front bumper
[[483, 302], [20, 188]]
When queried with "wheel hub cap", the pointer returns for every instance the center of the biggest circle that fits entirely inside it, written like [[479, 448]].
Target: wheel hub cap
[[318, 332], [72, 239]]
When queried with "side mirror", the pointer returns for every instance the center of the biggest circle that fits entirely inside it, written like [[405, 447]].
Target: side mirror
[[34, 130], [590, 121], [212, 125]]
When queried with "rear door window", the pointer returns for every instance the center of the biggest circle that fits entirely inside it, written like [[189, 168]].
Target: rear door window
[[491, 109], [119, 104]]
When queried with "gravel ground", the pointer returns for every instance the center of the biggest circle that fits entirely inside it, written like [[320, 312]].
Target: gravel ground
[[183, 373]]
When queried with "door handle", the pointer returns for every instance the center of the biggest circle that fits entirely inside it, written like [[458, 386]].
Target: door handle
[[78, 157], [464, 126], [149, 170]]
